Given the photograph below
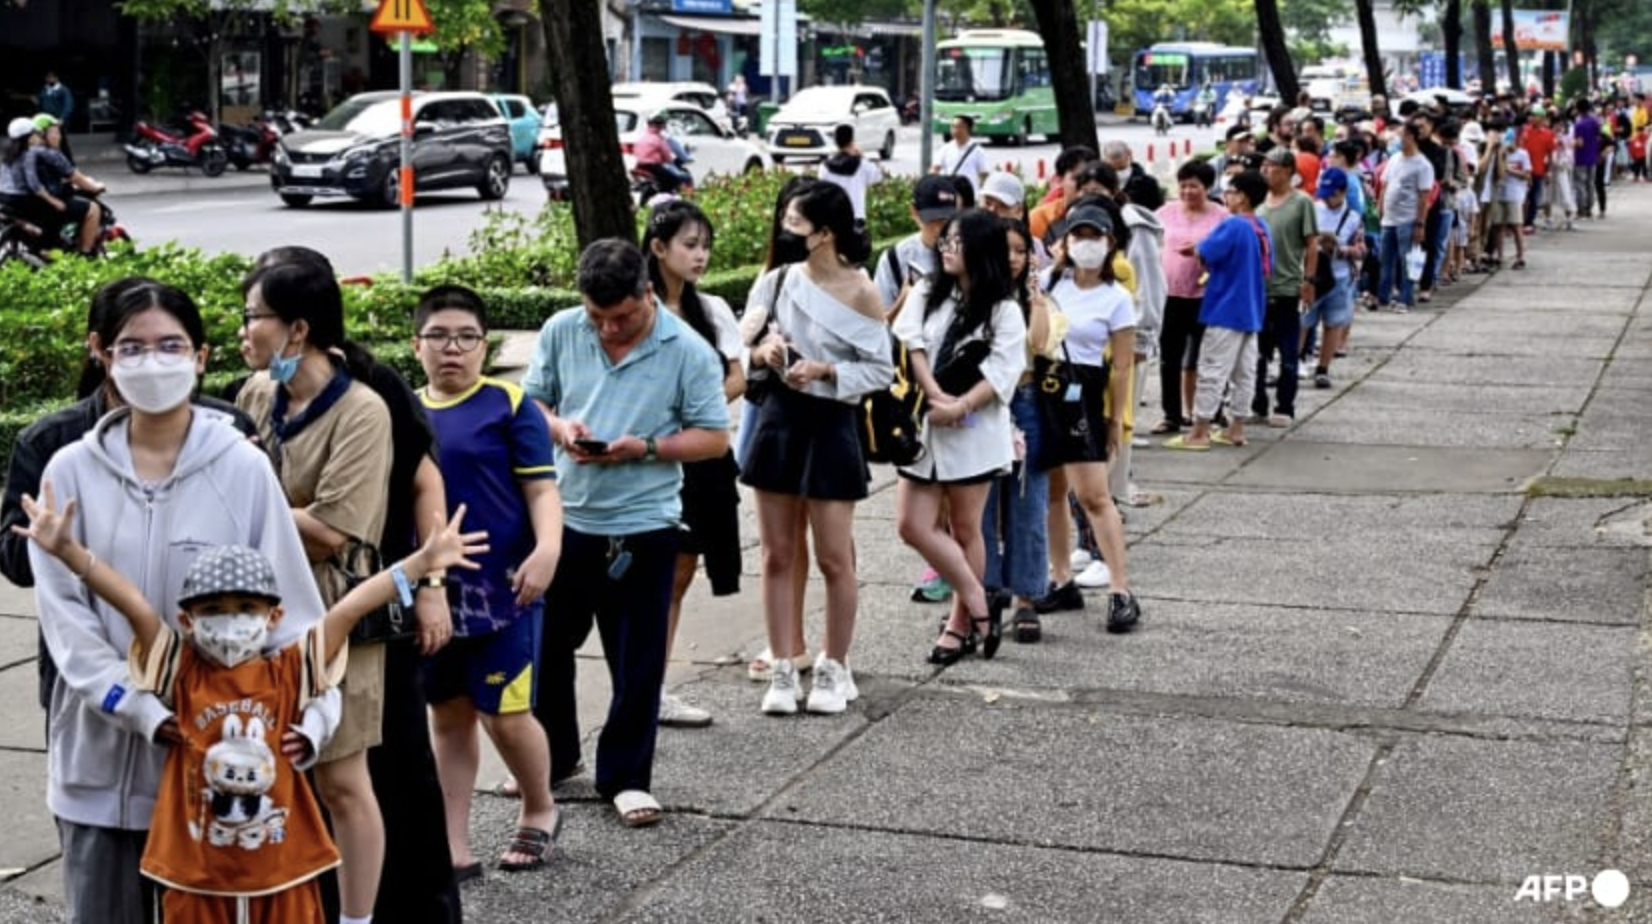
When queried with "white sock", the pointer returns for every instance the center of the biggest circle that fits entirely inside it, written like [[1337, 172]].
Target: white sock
[[346, 919]]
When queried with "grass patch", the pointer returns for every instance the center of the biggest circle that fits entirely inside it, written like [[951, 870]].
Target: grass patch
[[1590, 487]]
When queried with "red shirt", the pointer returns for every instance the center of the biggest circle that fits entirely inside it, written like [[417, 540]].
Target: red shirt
[[1637, 146], [1539, 143], [1307, 167]]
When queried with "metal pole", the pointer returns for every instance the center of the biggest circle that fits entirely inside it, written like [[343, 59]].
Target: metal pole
[[774, 78], [406, 184], [636, 40], [926, 90]]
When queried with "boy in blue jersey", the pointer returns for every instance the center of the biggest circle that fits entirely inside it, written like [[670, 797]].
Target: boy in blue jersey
[[496, 458]]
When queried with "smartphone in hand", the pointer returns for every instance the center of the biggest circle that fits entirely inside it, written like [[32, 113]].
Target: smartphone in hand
[[592, 447]]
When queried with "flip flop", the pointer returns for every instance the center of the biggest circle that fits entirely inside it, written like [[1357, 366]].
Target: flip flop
[[535, 843], [1180, 443], [637, 809], [1165, 427], [1221, 438]]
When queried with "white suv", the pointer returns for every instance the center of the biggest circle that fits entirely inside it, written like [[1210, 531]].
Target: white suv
[[692, 92], [803, 126]]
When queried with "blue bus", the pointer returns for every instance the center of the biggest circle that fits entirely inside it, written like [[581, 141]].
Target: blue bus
[[1187, 66]]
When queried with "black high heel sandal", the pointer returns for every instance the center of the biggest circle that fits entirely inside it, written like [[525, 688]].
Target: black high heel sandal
[[948, 656], [994, 619]]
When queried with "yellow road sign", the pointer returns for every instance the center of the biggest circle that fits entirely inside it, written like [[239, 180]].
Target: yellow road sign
[[402, 16]]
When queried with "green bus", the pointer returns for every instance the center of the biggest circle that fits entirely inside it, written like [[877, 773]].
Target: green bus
[[1000, 78]]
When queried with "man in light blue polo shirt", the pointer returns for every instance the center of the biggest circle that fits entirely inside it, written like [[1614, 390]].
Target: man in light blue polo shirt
[[629, 392]]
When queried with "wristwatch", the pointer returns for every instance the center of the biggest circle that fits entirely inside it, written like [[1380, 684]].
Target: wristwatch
[[432, 580], [651, 450]]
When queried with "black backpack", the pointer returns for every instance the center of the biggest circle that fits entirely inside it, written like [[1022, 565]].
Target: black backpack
[[888, 422]]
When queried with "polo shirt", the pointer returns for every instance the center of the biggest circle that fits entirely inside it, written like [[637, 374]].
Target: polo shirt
[[490, 439], [669, 382]]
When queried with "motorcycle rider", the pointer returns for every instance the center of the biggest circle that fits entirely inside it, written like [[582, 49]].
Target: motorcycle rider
[[655, 155], [42, 182], [1163, 99], [1204, 104]]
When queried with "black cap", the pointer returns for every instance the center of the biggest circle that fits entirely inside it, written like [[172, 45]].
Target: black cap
[[935, 198], [1092, 216]]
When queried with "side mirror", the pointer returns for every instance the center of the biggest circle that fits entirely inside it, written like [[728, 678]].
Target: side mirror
[[420, 129]]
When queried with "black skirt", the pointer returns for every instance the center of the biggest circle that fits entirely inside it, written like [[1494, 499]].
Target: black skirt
[[807, 447], [711, 520]]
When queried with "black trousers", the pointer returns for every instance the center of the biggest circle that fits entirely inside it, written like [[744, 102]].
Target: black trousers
[[1179, 338]]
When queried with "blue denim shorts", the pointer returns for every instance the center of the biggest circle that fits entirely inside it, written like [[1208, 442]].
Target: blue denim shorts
[[1336, 309]]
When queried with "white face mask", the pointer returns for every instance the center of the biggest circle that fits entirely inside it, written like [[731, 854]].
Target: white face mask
[[1088, 254], [231, 639], [155, 387]]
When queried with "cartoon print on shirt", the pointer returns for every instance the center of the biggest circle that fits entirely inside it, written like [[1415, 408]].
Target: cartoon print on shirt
[[240, 770]]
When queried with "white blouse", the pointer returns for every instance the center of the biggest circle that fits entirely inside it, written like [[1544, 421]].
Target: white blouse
[[987, 443], [823, 328], [1093, 316]]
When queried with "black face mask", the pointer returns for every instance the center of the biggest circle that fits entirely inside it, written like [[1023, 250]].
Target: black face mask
[[790, 247]]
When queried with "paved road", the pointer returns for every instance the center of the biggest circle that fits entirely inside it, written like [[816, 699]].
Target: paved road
[[1392, 665]]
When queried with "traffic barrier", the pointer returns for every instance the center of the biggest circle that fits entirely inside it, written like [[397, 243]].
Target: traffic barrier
[[1041, 174]]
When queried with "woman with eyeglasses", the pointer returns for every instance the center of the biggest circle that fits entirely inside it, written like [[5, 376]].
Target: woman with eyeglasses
[[329, 437], [966, 338], [155, 481]]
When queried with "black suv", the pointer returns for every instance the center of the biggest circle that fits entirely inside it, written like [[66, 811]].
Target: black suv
[[459, 140]]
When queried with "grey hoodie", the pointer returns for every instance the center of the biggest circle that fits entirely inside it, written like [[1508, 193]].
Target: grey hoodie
[[102, 769], [1146, 256]]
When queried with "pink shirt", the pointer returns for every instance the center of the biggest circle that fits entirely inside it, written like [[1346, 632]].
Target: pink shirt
[[1181, 273], [651, 148]]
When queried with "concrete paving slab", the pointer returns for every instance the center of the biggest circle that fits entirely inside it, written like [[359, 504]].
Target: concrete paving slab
[[1468, 342], [16, 601], [924, 881], [1491, 370], [1231, 652], [1598, 432], [1482, 811], [1317, 572], [1567, 584], [23, 729], [1306, 466], [1629, 405], [1450, 402], [1471, 517], [1127, 783], [1627, 373], [1576, 271], [19, 642], [1555, 521], [31, 834], [1501, 325], [1386, 900], [1577, 673], [1594, 297], [1607, 465], [1426, 427]]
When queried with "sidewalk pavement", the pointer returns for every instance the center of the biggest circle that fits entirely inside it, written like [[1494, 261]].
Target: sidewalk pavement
[[1392, 664]]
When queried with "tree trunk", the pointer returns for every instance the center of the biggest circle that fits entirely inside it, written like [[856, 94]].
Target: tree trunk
[[596, 170], [1511, 50], [1368, 46], [1272, 30], [1549, 59], [1482, 47], [1451, 29], [1075, 107]]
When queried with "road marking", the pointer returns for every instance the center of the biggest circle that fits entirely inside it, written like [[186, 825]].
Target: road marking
[[211, 204]]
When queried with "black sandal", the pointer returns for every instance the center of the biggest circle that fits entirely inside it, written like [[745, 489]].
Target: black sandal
[[533, 843], [1165, 427], [994, 636], [948, 656], [1028, 627]]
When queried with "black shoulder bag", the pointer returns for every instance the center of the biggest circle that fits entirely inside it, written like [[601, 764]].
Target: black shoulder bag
[[759, 382]]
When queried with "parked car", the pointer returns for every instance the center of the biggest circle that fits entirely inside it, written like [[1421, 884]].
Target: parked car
[[524, 121], [459, 140], [1239, 107], [1456, 101], [803, 127], [695, 93], [713, 148]]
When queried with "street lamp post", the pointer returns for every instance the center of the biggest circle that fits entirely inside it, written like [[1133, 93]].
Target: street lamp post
[[926, 90]]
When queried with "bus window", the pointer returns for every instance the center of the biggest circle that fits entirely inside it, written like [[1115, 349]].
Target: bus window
[[974, 74], [1155, 69]]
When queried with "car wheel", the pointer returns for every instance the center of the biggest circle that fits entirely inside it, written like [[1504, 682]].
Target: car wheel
[[1019, 139], [496, 179], [887, 152], [754, 166], [531, 164], [390, 193], [778, 160], [295, 200]]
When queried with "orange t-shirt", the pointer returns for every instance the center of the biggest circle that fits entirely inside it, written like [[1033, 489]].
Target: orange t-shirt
[[1307, 167], [1539, 143], [233, 817], [1044, 215]]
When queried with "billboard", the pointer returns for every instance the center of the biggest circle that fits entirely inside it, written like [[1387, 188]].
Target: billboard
[[1534, 30]]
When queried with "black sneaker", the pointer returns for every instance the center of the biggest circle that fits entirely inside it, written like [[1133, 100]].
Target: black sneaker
[[1065, 597], [1123, 613]]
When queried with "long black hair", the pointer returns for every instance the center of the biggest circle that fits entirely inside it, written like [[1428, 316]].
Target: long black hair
[[101, 319], [665, 222], [827, 207], [305, 289], [986, 254], [796, 186], [1018, 282]]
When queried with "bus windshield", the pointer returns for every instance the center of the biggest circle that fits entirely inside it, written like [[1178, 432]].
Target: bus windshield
[[1155, 69], [968, 74]]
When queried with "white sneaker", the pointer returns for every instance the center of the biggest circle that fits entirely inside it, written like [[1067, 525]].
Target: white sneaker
[[784, 691], [1080, 560], [678, 714], [846, 682], [826, 697], [1096, 575]]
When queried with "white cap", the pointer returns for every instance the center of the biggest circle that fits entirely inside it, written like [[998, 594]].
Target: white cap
[[21, 127], [1006, 188]]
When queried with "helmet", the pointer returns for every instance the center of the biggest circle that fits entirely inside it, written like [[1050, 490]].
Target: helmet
[[20, 127], [44, 121]]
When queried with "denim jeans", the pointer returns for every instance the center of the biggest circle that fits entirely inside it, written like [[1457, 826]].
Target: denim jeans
[[1534, 199], [1282, 331], [1396, 240], [1016, 510]]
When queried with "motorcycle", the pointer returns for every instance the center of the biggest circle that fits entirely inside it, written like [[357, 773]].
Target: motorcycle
[[160, 147], [23, 239], [286, 121], [1161, 117], [651, 183], [253, 143], [911, 110], [1201, 113]]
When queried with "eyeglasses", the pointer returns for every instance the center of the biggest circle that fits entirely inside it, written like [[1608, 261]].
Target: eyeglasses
[[168, 352], [465, 340], [248, 316], [950, 245]]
